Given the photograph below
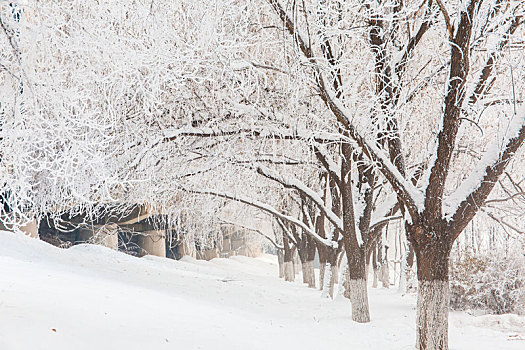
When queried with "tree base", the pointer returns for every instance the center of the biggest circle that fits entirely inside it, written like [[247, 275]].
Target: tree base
[[359, 299], [289, 274], [309, 273], [432, 315]]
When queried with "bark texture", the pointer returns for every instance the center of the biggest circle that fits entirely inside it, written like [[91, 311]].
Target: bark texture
[[280, 261], [432, 246], [374, 266], [289, 275], [432, 315], [309, 273], [359, 299]]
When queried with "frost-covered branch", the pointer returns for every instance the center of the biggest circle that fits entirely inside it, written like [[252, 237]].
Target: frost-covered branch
[[272, 241], [268, 209], [473, 192], [299, 186]]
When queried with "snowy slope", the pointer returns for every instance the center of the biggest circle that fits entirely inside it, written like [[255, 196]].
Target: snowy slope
[[90, 297]]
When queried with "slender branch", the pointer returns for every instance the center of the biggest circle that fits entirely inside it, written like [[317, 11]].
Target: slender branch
[[266, 208], [483, 86], [500, 200], [304, 190], [328, 164], [253, 230], [384, 221], [321, 137], [501, 222], [287, 231], [477, 197], [447, 19], [405, 190]]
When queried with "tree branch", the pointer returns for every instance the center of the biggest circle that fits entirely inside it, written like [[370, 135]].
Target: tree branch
[[447, 19], [493, 170], [304, 190], [253, 230], [268, 209]]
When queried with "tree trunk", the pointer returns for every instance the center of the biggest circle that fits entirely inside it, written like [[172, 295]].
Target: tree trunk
[[346, 283], [289, 274], [322, 270], [322, 263], [385, 270], [308, 273], [374, 265], [432, 253], [355, 252], [358, 289], [326, 281], [432, 315], [307, 255], [342, 278], [331, 272], [296, 262], [333, 279], [280, 261], [406, 268], [288, 270]]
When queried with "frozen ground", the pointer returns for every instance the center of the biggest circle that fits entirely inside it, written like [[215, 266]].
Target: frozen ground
[[90, 297]]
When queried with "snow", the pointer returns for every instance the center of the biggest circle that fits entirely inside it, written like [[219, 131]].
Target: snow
[[296, 183], [414, 193], [90, 297], [493, 153]]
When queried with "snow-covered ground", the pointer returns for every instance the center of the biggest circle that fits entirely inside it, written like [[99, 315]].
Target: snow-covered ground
[[90, 297]]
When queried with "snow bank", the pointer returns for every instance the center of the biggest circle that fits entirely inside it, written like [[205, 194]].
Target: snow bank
[[91, 297]]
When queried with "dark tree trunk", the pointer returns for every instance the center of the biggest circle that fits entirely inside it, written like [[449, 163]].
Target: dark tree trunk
[[432, 247], [289, 274], [355, 253], [307, 256], [321, 250]]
